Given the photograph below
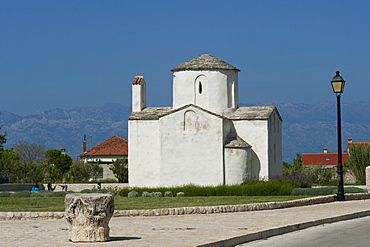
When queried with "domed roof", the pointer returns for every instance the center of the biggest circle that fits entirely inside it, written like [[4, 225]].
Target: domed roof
[[205, 62]]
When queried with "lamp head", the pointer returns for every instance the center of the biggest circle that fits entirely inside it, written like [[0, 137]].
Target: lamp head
[[338, 83]]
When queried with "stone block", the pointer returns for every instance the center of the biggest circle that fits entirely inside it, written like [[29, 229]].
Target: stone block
[[88, 215], [368, 177]]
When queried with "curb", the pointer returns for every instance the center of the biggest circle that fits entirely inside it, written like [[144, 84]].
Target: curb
[[246, 238], [191, 210]]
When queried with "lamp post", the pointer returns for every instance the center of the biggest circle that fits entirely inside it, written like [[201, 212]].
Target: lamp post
[[338, 86]]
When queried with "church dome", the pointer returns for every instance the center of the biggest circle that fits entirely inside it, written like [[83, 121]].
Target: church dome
[[204, 62]]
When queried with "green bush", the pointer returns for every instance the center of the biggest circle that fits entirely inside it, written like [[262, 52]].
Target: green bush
[[358, 161], [46, 193], [180, 194], [87, 191], [36, 194], [5, 194], [157, 194], [146, 194], [55, 193], [268, 188], [329, 190], [354, 190], [60, 193], [21, 194], [278, 187], [133, 194], [168, 194]]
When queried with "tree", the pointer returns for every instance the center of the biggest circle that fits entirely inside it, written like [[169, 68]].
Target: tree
[[120, 170], [2, 140], [294, 169], [9, 163], [61, 161], [359, 159], [29, 152], [83, 172]]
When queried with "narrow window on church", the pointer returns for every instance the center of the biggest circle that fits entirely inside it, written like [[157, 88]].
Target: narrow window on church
[[200, 87]]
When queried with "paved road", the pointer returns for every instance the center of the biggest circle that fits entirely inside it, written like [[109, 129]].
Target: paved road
[[179, 230], [354, 233]]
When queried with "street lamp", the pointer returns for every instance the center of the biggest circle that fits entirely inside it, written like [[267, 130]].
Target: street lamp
[[338, 86]]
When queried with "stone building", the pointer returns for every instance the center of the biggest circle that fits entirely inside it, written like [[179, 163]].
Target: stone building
[[205, 138]]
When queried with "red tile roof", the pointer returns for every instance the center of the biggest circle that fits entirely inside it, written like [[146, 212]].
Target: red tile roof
[[115, 145], [323, 158], [363, 144]]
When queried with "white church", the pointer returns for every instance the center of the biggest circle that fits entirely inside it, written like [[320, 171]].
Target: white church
[[205, 138]]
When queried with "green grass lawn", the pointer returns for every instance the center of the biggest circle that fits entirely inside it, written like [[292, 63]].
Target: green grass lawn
[[56, 204]]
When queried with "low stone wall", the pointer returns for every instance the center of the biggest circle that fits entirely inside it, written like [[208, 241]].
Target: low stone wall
[[71, 187], [192, 210], [80, 187], [31, 215], [18, 187]]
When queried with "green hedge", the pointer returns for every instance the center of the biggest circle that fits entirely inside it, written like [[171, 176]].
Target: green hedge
[[281, 187], [330, 190], [5, 194], [21, 194]]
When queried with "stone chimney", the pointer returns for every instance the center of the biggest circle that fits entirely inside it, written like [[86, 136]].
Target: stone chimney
[[138, 93], [84, 144]]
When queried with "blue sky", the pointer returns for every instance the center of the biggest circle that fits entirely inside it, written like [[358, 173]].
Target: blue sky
[[86, 53]]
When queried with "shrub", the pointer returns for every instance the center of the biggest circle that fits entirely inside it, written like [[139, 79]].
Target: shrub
[[81, 171], [329, 190], [87, 191], [180, 194], [5, 194], [354, 190], [21, 194], [120, 170], [60, 193], [36, 194], [133, 194], [157, 194], [168, 194], [146, 194], [268, 188], [358, 161]]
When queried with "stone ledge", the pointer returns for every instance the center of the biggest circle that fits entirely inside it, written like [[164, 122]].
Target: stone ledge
[[191, 210]]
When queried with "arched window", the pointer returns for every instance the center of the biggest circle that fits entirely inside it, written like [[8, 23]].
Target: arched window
[[201, 91], [230, 92], [190, 121]]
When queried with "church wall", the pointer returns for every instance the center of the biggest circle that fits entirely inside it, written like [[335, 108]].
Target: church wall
[[143, 159], [217, 88], [191, 148], [255, 132], [236, 169]]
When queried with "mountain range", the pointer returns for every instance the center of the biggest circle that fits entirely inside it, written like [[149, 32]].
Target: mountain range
[[306, 127]]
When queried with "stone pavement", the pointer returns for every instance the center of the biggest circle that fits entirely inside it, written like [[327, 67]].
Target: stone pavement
[[223, 229]]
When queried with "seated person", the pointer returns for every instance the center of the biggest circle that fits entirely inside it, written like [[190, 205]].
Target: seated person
[[35, 188], [64, 186], [50, 187]]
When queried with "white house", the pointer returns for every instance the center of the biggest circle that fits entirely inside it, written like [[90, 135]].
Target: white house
[[105, 153], [205, 138]]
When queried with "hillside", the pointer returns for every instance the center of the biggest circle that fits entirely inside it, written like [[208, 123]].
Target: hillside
[[306, 127]]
